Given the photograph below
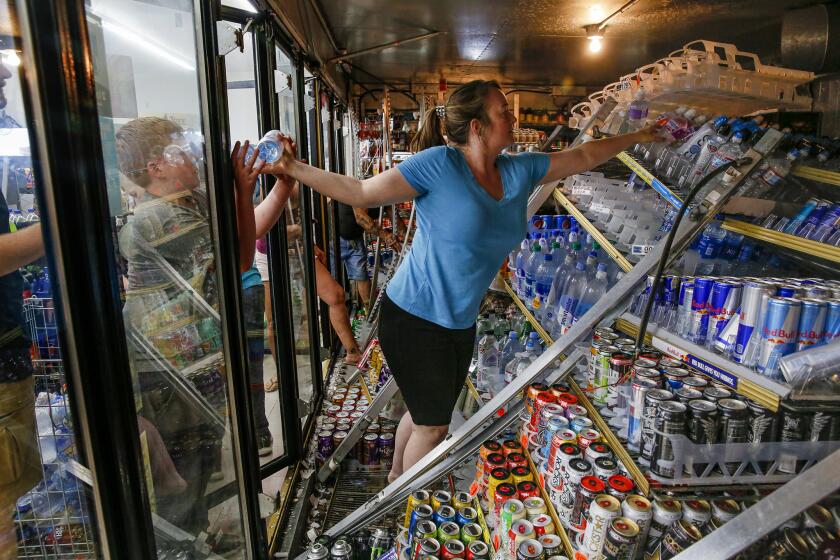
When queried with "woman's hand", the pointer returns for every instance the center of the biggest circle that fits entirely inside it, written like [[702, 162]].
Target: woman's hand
[[245, 173], [286, 163], [652, 133]]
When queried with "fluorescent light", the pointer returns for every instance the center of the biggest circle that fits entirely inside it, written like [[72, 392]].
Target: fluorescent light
[[10, 57], [241, 4], [145, 43]]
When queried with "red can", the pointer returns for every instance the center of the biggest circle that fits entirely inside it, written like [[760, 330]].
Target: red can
[[542, 399], [534, 389], [543, 525], [451, 549], [527, 489], [587, 437], [620, 486], [566, 400], [590, 487], [333, 410], [652, 355], [558, 389], [516, 459], [504, 492], [494, 461], [511, 446]]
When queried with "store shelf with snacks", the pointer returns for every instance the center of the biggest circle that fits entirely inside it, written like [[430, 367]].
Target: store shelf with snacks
[[600, 423], [742, 380], [596, 234], [645, 175], [552, 511], [785, 240], [817, 174]]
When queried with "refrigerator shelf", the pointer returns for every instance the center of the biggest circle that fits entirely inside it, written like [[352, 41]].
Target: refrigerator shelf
[[817, 174], [791, 242]]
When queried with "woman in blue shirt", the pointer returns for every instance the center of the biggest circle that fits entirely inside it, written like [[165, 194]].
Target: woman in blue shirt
[[471, 204]]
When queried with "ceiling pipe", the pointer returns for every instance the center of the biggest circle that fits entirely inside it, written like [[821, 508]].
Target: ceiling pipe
[[324, 24], [385, 46]]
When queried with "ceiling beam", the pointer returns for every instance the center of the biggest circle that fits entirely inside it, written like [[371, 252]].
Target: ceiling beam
[[384, 46]]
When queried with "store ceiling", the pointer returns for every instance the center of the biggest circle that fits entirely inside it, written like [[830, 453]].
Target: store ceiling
[[541, 42]]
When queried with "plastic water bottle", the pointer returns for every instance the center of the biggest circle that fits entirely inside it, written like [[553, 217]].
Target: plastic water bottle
[[512, 365], [595, 290], [521, 264], [561, 274], [31, 216], [677, 126], [513, 257], [270, 147], [531, 274], [591, 264], [510, 348], [637, 113], [570, 298], [543, 279], [526, 359], [487, 365]]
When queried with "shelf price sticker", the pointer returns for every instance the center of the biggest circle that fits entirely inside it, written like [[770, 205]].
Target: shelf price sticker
[[694, 362], [648, 178]]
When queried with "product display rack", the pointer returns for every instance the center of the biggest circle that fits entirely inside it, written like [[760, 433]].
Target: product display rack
[[817, 174], [785, 240]]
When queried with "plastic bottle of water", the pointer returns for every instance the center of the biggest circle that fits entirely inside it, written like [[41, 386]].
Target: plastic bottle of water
[[595, 290], [521, 265], [31, 216], [512, 366], [558, 252], [637, 113], [525, 360], [543, 281], [591, 264], [771, 175], [487, 366], [531, 274], [513, 257], [571, 297], [510, 348], [270, 147], [557, 283]]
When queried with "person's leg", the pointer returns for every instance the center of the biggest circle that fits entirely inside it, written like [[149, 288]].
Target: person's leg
[[253, 300], [401, 439], [8, 536], [332, 294], [363, 287], [354, 256], [269, 328]]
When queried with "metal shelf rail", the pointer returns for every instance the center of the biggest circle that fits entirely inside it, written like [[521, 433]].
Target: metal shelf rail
[[817, 174], [791, 242]]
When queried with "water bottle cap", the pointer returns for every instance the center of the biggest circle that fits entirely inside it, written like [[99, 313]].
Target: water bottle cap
[[573, 237], [534, 335], [536, 248], [793, 154], [580, 266], [514, 335], [602, 267], [593, 254]]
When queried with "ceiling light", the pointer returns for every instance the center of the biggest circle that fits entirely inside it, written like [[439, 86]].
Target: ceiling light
[[595, 44], [595, 36], [10, 57]]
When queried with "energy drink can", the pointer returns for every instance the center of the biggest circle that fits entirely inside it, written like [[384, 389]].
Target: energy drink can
[[674, 377], [811, 331], [512, 511], [552, 544], [581, 424], [504, 492], [670, 420], [684, 300], [715, 394], [511, 445], [638, 509], [752, 297], [639, 388], [603, 509], [670, 291], [605, 467], [788, 290], [679, 536], [543, 525], [516, 460], [665, 514], [702, 421], [573, 475], [621, 540], [519, 532], [724, 302], [724, 511], [602, 373], [778, 333], [620, 486], [325, 445], [534, 506], [733, 425], [418, 497], [695, 382], [534, 389], [825, 424], [764, 424], [592, 363], [521, 474], [369, 450], [497, 476], [590, 487], [699, 324], [653, 399], [587, 436], [597, 449], [621, 365], [530, 549], [527, 489], [697, 512], [832, 322], [562, 457], [686, 394]]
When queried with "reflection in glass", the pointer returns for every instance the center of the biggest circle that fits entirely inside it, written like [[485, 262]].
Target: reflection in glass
[[45, 510], [149, 105]]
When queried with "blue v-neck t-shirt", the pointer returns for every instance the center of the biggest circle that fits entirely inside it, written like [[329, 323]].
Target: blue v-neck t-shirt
[[463, 234]]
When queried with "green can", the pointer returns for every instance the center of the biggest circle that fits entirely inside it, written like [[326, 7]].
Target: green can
[[471, 532], [447, 531]]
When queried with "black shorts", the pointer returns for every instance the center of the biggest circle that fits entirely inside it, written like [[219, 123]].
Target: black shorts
[[429, 362]]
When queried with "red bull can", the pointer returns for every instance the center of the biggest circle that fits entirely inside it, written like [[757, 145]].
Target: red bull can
[[670, 291], [686, 294], [818, 292], [726, 297], [699, 325], [788, 290], [752, 295], [811, 331], [778, 333], [832, 321]]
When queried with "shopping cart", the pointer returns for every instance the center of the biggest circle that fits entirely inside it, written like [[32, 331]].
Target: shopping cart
[[52, 519]]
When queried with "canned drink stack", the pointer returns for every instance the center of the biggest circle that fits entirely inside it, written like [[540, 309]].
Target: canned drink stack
[[778, 333]]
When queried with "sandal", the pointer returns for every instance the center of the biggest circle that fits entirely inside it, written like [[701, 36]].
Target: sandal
[[271, 386]]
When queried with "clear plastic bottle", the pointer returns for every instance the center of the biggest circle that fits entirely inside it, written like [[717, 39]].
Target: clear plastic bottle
[[521, 265], [512, 365], [509, 349], [543, 281], [270, 147], [487, 365], [637, 113], [595, 290], [531, 273], [534, 343], [571, 297]]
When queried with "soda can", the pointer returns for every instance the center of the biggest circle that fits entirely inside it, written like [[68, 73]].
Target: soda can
[[695, 382], [620, 486], [603, 509], [714, 394], [668, 361], [605, 467], [504, 492], [724, 302], [687, 394], [817, 516], [534, 506], [697, 512], [811, 331], [529, 549], [602, 372], [534, 389], [548, 413], [592, 362], [666, 513], [564, 453], [471, 532], [674, 377], [764, 424], [448, 531], [832, 321], [566, 399], [752, 295], [788, 290], [575, 411], [478, 550], [325, 445], [702, 421], [686, 295], [638, 509], [461, 500], [653, 399], [724, 511], [587, 436], [542, 399], [527, 489], [543, 525], [597, 449], [516, 460], [699, 325], [581, 424], [670, 420], [369, 450], [512, 511], [621, 366], [441, 498], [599, 332], [555, 424], [418, 497], [466, 515], [424, 531], [498, 476], [590, 487], [621, 539], [552, 544], [778, 333], [521, 474], [444, 513], [452, 549], [733, 425]]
